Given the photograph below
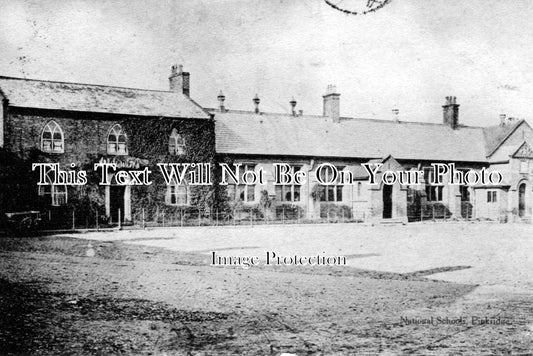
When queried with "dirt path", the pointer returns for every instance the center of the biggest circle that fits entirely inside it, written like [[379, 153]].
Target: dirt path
[[143, 300]]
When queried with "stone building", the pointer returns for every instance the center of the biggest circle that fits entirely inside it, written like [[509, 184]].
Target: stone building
[[259, 139], [82, 124]]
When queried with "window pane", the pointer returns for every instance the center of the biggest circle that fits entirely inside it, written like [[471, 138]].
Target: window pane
[[330, 193], [296, 193], [279, 192], [182, 195], [231, 191], [339, 193], [251, 193]]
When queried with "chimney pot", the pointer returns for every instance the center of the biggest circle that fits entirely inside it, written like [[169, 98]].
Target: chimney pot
[[502, 119], [221, 99], [256, 101], [332, 103], [293, 106], [179, 80], [396, 115], [451, 112]]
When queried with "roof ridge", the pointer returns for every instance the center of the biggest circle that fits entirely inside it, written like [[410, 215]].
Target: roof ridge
[[344, 118], [85, 84]]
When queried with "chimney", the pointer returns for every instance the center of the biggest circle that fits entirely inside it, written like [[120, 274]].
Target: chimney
[[503, 118], [179, 80], [451, 112], [221, 99], [256, 101], [396, 115], [332, 104], [293, 106]]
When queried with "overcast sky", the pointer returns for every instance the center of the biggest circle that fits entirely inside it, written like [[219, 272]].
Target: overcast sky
[[408, 55]]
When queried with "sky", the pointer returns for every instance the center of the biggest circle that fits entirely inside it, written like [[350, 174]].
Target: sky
[[408, 55]]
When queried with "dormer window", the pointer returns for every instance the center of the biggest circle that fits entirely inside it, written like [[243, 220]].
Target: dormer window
[[52, 138], [176, 143], [116, 141]]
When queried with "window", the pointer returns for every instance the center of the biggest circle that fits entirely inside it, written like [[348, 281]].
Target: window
[[55, 194], [289, 193], [116, 141], [524, 166], [465, 193], [359, 188], [492, 196], [331, 193], [52, 138], [176, 143], [433, 192], [245, 193], [178, 194]]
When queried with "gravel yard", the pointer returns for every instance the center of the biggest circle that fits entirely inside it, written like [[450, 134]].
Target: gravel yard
[[427, 289]]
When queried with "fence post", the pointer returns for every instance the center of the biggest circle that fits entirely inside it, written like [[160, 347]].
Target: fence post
[[163, 218], [217, 217], [73, 219], [233, 217], [297, 215], [181, 218], [119, 220], [283, 216], [251, 218], [433, 213], [97, 220], [144, 221], [198, 217]]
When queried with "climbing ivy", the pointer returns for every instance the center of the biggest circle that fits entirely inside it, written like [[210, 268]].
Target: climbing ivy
[[148, 139]]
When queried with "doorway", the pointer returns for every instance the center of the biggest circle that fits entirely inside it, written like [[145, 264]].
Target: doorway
[[522, 200], [387, 201], [116, 203]]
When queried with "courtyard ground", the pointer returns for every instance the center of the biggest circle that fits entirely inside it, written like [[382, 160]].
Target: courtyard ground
[[155, 292]]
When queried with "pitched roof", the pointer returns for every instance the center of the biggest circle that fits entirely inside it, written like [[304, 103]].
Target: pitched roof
[[495, 136], [279, 134], [41, 94]]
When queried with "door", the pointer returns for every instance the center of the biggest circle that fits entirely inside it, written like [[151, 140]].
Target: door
[[522, 200], [387, 201], [116, 203]]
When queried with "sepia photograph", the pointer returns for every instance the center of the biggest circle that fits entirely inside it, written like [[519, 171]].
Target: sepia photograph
[[266, 177]]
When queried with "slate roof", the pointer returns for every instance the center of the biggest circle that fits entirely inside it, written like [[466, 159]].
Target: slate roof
[[496, 135], [43, 94], [286, 135]]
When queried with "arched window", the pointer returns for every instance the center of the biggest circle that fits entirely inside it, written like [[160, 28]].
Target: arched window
[[178, 194], [56, 195], [116, 141], [52, 138], [176, 143]]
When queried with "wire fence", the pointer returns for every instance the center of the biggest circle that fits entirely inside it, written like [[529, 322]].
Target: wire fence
[[71, 219], [68, 219]]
